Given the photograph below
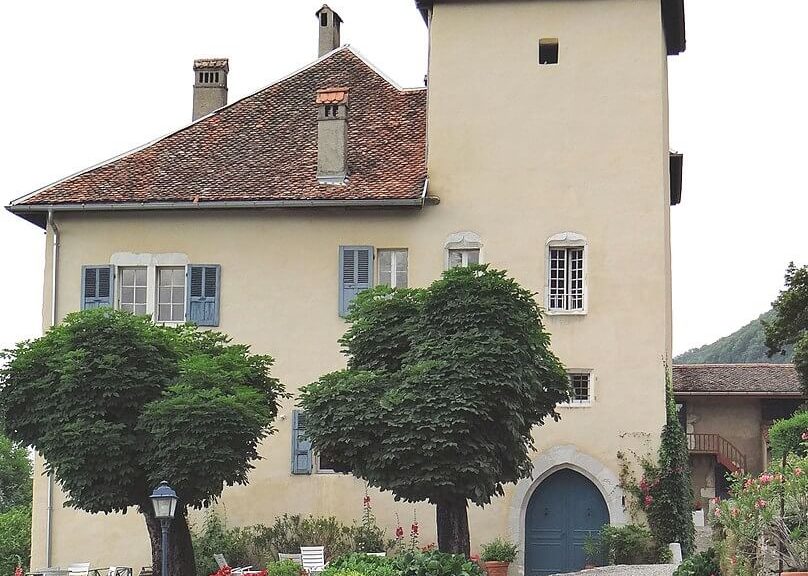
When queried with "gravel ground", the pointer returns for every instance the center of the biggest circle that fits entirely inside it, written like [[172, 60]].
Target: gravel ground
[[641, 570]]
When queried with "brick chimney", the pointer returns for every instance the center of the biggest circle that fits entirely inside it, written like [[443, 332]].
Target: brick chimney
[[329, 22], [332, 135], [210, 85]]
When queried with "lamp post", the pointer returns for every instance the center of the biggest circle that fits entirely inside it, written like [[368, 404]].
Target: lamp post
[[164, 500]]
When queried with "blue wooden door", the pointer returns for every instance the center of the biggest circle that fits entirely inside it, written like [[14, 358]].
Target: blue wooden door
[[563, 511]]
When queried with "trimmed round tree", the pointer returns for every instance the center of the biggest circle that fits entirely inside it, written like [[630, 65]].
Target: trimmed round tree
[[116, 404], [442, 391]]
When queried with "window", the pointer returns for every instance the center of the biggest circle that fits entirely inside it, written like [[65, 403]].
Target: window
[[171, 294], [463, 257], [581, 387], [133, 290], [567, 279], [548, 51], [463, 249], [96, 286], [324, 465], [301, 446], [393, 268]]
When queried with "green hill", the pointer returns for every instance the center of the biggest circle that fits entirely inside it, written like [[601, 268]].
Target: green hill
[[744, 346]]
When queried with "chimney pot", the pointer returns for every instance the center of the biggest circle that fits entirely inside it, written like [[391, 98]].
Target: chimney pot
[[328, 24], [210, 85]]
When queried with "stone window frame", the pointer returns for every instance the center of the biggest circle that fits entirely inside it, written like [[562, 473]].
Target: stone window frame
[[464, 240], [566, 240]]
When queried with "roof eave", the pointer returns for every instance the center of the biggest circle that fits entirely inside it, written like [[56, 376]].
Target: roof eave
[[673, 21], [37, 213]]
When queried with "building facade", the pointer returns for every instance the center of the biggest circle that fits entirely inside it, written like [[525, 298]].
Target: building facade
[[727, 410], [540, 147]]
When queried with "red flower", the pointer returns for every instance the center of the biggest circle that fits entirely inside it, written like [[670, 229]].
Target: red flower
[[367, 500], [399, 533], [648, 500], [414, 528]]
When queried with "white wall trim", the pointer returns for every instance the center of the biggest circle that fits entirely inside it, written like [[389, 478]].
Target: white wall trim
[[545, 464]]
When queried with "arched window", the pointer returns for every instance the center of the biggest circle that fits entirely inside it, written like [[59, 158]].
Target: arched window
[[566, 273], [462, 249]]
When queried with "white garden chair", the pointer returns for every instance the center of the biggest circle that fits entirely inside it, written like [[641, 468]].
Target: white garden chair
[[376, 553], [243, 571], [313, 559]]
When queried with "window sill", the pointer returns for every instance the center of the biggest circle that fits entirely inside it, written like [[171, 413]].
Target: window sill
[[587, 404], [565, 312]]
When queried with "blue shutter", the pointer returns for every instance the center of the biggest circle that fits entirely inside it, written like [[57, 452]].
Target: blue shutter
[[301, 446], [97, 286], [202, 289], [355, 274]]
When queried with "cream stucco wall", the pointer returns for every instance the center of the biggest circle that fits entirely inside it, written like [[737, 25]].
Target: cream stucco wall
[[517, 153]]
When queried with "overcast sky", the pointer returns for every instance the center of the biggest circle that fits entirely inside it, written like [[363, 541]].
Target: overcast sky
[[87, 80]]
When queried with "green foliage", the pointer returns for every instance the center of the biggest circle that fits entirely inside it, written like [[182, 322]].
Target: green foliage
[[443, 389], [498, 550], [15, 538], [116, 403], [236, 544], [701, 564], [283, 568], [790, 327], [745, 345], [434, 563], [629, 544], [15, 476], [367, 536], [670, 509], [787, 436], [291, 531], [362, 564], [753, 518]]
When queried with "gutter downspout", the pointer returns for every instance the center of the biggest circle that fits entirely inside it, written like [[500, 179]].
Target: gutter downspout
[[54, 270]]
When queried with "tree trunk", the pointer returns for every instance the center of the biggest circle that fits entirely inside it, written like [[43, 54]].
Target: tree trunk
[[180, 550], [453, 526]]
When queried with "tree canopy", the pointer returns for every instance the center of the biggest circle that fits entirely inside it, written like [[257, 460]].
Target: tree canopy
[[116, 404], [442, 390], [791, 324], [15, 476]]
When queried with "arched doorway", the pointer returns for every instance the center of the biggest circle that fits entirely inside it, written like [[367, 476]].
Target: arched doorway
[[564, 509]]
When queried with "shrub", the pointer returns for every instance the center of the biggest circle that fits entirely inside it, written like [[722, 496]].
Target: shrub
[[498, 550], [629, 544], [291, 531], [283, 568], [15, 538], [363, 564], [434, 563], [701, 564], [786, 436], [215, 538], [753, 518]]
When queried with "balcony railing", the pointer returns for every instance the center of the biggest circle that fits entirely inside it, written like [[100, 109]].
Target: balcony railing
[[725, 452]]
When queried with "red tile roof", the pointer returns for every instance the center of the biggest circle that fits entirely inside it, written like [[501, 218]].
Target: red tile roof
[[736, 379], [264, 148], [332, 96]]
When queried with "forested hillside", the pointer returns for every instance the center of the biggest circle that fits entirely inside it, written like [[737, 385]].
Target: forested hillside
[[743, 346]]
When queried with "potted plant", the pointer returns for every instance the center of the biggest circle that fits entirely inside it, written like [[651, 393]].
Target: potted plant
[[497, 555]]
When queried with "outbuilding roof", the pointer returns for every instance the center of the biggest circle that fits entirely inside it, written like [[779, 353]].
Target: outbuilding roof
[[736, 380], [262, 150]]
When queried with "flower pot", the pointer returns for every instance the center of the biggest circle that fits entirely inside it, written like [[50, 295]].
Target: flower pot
[[698, 518], [793, 573], [496, 568]]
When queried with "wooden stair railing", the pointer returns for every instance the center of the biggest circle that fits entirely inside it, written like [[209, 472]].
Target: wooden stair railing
[[725, 452]]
